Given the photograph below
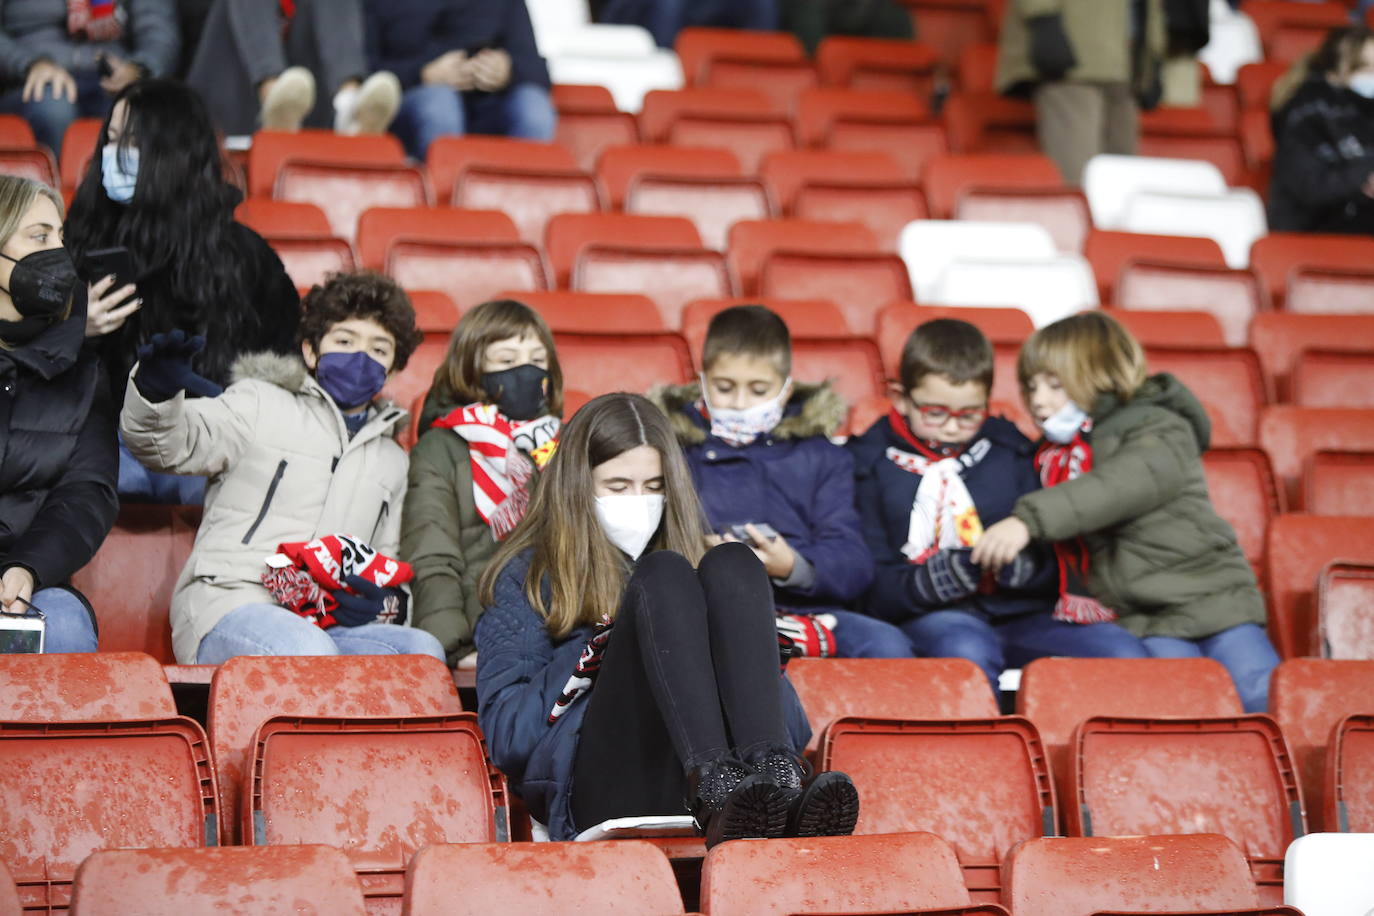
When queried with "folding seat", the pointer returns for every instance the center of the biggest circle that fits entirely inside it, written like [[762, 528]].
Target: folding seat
[[1163, 328], [1109, 251], [985, 122], [1062, 211], [1329, 291], [1339, 483], [982, 785], [1276, 255], [15, 133], [786, 172], [662, 108], [1291, 30], [1111, 181], [819, 109], [9, 894], [1292, 434], [1136, 776], [273, 149], [619, 166], [672, 276], [83, 687], [1241, 485], [949, 26], [380, 227], [78, 146], [1257, 142], [749, 137], [884, 208], [898, 873], [584, 97], [782, 81], [412, 383], [877, 64], [809, 318], [567, 235], [627, 876], [587, 134], [174, 882], [1280, 338], [1233, 296], [1350, 776], [977, 68], [311, 259], [36, 164], [1328, 873], [751, 241], [343, 192], [612, 342], [860, 284], [1075, 876], [1299, 546], [1234, 218], [449, 157], [699, 48], [947, 177], [73, 787], [1221, 149], [436, 315], [889, 688], [283, 218], [581, 312], [529, 198], [131, 578], [1227, 380], [1332, 378], [1047, 290], [1255, 83], [909, 145], [1004, 326], [1345, 614], [468, 272], [712, 204], [248, 690], [929, 247]]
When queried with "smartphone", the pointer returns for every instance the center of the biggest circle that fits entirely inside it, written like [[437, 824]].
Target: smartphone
[[102, 262], [103, 68], [22, 634], [742, 532]]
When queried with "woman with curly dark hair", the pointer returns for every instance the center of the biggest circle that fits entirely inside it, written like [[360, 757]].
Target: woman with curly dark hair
[[157, 187]]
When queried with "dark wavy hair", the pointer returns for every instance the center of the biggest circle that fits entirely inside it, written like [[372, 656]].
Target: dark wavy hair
[[177, 227], [364, 294]]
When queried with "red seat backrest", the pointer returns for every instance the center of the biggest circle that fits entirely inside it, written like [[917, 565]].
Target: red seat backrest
[[947, 177], [1276, 255], [1244, 492], [1280, 337], [1333, 378], [272, 149], [449, 157], [1340, 483], [379, 227], [1299, 546], [698, 47], [566, 234], [664, 106], [1291, 435], [751, 241], [619, 166], [83, 687], [1108, 251], [282, 218]]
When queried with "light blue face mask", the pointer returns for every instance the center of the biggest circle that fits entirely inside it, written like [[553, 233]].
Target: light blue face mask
[[119, 174], [1362, 84]]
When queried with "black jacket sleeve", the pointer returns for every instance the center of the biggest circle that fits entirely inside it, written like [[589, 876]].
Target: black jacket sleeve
[[526, 64]]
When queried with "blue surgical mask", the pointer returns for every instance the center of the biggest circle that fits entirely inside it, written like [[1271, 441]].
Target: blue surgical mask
[[1362, 84], [351, 379], [119, 173], [1062, 425]]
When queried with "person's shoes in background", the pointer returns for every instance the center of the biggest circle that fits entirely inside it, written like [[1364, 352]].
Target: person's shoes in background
[[288, 100], [369, 108]]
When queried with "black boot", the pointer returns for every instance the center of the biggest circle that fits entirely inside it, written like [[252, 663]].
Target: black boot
[[827, 806], [730, 801]]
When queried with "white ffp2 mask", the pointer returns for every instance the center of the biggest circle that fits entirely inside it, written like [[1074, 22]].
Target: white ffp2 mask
[[1062, 425], [630, 520]]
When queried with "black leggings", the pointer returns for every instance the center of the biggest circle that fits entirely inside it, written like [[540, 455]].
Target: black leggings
[[690, 673]]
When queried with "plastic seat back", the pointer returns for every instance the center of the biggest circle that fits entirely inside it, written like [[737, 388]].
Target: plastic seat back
[[1350, 776], [35, 164], [749, 137], [1047, 290], [449, 157], [1073, 876], [413, 382], [712, 204], [1242, 488], [248, 690], [83, 687], [673, 276], [1233, 296], [1340, 483], [910, 145], [9, 894], [782, 81], [1062, 211], [1222, 150], [1164, 328], [1228, 381], [625, 877], [663, 107], [588, 134], [697, 48], [1294, 566], [1235, 218], [619, 166], [309, 260], [1275, 256], [787, 171], [1291, 30], [884, 208], [877, 64], [78, 146], [831, 875], [950, 26], [805, 318], [819, 109], [1327, 873], [1109, 251], [946, 178], [273, 149], [986, 122], [897, 321], [1327, 291], [601, 363], [568, 233], [469, 272], [380, 227], [15, 133], [1110, 182], [343, 192], [1345, 611], [594, 313], [929, 247], [1333, 378], [751, 241], [72, 788], [860, 284], [282, 218], [1280, 337], [1291, 435], [173, 882], [530, 199]]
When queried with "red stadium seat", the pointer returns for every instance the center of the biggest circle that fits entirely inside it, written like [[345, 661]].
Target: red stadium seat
[[581, 98], [1279, 338], [884, 208], [1071, 876], [83, 687], [283, 218], [1329, 291], [72, 788], [698, 48], [819, 109], [1062, 211], [911, 146], [1350, 776], [1291, 29], [9, 894], [343, 192], [273, 149], [1241, 485], [749, 137], [79, 145], [947, 177], [860, 284], [469, 879], [672, 276], [449, 157], [1255, 83], [588, 134], [782, 81], [712, 204], [751, 241], [311, 259], [529, 198], [1340, 483], [982, 785], [977, 69], [1299, 547], [435, 313], [787, 172], [853, 874], [1291, 435], [804, 318], [1227, 380], [248, 690], [896, 322], [1332, 378], [1234, 296], [877, 64], [1275, 256], [1134, 776], [1222, 150], [889, 688], [468, 272], [567, 234], [1109, 251], [619, 166], [380, 227], [1309, 696], [949, 26], [601, 363], [413, 382], [36, 164], [663, 107], [990, 123], [15, 133], [175, 882], [1345, 614], [1162, 328]]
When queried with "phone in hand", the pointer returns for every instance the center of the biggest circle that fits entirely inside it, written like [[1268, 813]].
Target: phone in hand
[[741, 532], [22, 634], [102, 262], [103, 66]]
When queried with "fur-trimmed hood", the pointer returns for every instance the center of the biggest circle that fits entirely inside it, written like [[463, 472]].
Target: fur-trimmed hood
[[813, 410], [289, 372]]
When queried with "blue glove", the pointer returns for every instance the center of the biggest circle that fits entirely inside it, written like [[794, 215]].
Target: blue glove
[[370, 601], [164, 368]]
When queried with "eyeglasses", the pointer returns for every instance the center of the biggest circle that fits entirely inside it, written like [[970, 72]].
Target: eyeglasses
[[938, 414]]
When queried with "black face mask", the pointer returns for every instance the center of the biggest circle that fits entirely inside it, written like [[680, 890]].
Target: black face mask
[[518, 392], [41, 283]]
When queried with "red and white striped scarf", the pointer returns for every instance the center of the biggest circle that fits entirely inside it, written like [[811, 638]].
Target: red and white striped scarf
[[95, 19], [942, 513], [1057, 464], [504, 457]]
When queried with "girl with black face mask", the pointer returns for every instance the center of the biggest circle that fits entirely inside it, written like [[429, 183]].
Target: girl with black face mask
[[489, 424], [57, 432]]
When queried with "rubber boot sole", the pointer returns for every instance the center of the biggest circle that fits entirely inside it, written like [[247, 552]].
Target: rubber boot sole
[[756, 808], [829, 806]]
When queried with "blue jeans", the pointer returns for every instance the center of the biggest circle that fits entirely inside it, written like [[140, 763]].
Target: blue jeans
[[69, 625], [50, 116], [523, 111], [137, 484], [861, 636], [1015, 641], [1244, 650], [269, 629]]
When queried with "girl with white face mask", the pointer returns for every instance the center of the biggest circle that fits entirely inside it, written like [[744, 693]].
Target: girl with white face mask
[[621, 672]]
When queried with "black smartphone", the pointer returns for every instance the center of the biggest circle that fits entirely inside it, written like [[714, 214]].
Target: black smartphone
[[763, 528], [102, 262], [104, 68]]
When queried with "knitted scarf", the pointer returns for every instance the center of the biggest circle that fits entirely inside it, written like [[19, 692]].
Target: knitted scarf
[[942, 514], [95, 19], [504, 456], [585, 671], [302, 575], [1056, 464]]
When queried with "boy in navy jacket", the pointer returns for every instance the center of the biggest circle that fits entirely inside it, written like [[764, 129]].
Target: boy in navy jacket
[[767, 474], [929, 477]]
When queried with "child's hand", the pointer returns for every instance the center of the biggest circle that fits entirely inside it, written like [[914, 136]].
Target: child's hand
[[776, 554], [1000, 544]]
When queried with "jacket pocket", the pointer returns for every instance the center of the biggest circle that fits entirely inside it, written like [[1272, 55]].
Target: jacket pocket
[[267, 500], [381, 522]]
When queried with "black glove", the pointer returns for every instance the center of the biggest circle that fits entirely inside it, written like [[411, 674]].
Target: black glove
[[945, 577], [1019, 572], [1050, 52], [371, 600], [164, 368]]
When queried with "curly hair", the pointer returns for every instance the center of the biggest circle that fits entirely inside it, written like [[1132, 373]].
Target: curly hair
[[365, 294]]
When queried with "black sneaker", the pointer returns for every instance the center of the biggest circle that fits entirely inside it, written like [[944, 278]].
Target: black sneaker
[[828, 806]]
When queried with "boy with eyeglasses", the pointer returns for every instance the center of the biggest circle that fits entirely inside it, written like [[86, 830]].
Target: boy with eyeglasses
[[930, 476]]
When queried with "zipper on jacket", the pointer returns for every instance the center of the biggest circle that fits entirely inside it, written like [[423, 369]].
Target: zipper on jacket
[[267, 502], [381, 520]]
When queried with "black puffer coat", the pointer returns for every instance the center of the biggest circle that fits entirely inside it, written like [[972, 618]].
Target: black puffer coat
[[1324, 153], [58, 460]]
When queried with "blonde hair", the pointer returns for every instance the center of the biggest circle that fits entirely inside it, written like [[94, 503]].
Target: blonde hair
[[586, 573], [16, 196], [1090, 353], [458, 380]]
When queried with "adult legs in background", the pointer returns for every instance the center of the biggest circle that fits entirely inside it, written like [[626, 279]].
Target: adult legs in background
[[735, 14], [958, 634], [385, 639], [523, 111], [263, 629], [663, 18], [1069, 119], [1033, 636], [69, 624], [50, 116], [326, 37], [1120, 119], [1244, 650], [860, 636], [427, 113]]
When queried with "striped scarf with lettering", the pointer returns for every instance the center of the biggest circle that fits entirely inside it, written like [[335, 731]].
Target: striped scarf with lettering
[[504, 454]]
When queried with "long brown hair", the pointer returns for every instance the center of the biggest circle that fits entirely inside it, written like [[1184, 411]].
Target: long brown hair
[[458, 380], [586, 573]]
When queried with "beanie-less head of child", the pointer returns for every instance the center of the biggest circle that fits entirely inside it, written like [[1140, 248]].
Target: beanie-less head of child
[[941, 396], [745, 379]]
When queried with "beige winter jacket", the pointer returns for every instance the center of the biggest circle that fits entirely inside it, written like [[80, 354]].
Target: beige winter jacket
[[281, 468], [1099, 32]]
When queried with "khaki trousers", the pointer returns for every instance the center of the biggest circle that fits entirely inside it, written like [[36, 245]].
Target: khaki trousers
[[1076, 121]]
